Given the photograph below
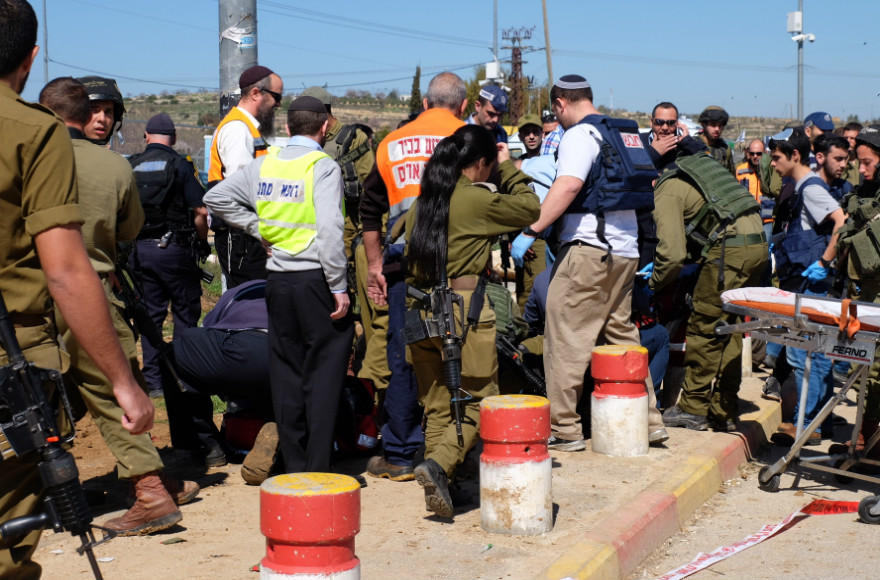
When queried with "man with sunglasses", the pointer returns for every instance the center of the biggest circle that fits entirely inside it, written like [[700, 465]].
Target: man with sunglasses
[[238, 140], [665, 134], [750, 174]]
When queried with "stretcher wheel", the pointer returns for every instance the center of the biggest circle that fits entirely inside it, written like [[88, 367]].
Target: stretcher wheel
[[865, 507], [772, 484]]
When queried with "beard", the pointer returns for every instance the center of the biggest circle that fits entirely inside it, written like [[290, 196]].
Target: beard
[[267, 122]]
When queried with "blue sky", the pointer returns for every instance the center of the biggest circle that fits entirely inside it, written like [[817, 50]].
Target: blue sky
[[695, 53]]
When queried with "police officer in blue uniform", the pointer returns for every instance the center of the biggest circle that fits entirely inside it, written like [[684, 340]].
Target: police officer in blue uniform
[[172, 240]]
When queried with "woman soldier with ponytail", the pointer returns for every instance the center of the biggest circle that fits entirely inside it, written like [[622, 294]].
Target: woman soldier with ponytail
[[452, 228]]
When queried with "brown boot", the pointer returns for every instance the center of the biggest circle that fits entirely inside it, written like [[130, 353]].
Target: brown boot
[[259, 460], [181, 490], [153, 509]]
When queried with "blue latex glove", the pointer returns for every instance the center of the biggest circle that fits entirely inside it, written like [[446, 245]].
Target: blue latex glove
[[816, 272], [772, 245], [519, 247], [646, 271], [688, 270]]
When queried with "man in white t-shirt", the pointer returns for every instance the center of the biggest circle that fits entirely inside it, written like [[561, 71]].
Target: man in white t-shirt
[[590, 295]]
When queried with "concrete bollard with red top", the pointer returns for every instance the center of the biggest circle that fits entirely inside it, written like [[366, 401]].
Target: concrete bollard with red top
[[619, 413], [515, 479], [310, 521]]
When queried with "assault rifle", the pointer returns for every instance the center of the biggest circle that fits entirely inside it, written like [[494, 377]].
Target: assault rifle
[[139, 319], [440, 306], [508, 351], [27, 422]]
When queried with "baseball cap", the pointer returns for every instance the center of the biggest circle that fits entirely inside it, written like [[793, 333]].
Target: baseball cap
[[529, 120], [161, 124], [496, 96], [820, 120]]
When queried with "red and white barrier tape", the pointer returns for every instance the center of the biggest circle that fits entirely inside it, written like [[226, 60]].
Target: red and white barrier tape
[[815, 508]]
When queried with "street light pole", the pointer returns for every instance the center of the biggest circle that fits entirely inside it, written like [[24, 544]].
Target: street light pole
[[549, 51]]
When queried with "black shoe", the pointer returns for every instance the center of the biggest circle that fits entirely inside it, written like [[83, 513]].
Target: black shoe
[[676, 417], [556, 444], [157, 393], [215, 457], [432, 477], [772, 390], [721, 426], [769, 362]]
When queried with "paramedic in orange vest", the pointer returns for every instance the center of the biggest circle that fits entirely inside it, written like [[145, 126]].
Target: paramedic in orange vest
[[392, 187], [238, 140]]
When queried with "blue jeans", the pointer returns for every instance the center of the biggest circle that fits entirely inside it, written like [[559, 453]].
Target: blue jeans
[[821, 385], [402, 432], [655, 338]]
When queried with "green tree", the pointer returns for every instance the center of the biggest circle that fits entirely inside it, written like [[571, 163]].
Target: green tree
[[415, 95]]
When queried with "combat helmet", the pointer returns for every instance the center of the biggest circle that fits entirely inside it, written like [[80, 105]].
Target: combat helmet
[[714, 114], [105, 89]]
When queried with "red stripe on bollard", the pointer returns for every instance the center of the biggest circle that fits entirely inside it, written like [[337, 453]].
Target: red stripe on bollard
[[619, 413], [310, 521]]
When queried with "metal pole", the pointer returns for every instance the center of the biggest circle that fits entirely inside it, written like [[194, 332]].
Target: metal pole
[[495, 33], [549, 51], [800, 88], [45, 46], [238, 47]]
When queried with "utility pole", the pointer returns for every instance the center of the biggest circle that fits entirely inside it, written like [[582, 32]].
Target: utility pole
[[238, 47], [516, 36], [796, 29], [547, 50], [45, 46]]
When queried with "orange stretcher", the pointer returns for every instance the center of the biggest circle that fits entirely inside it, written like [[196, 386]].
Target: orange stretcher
[[843, 330]]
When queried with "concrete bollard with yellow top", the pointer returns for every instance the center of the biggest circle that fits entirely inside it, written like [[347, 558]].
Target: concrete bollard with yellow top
[[619, 412], [515, 479], [310, 521]]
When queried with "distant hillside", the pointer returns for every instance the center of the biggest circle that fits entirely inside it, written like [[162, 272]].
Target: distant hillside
[[197, 114]]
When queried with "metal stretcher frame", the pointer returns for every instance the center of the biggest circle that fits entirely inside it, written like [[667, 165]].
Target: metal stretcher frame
[[798, 331]]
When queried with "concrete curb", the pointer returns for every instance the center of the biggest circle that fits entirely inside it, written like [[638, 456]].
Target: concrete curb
[[618, 544]]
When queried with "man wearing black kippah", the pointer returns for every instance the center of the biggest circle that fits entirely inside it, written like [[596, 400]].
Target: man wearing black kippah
[[240, 137], [291, 199]]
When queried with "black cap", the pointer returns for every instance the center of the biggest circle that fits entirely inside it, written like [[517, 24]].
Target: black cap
[[252, 75], [307, 103], [161, 124]]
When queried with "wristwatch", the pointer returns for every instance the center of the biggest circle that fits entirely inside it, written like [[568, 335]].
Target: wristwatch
[[825, 263], [530, 232]]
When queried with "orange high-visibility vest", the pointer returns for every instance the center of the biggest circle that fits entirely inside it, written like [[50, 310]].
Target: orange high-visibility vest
[[216, 170], [404, 152]]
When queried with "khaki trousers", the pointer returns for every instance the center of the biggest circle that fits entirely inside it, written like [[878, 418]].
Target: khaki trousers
[[588, 304], [375, 322]]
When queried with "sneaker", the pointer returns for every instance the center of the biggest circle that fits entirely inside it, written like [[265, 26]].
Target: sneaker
[[432, 477], [658, 436], [676, 417], [377, 466], [259, 461], [772, 390], [156, 393], [556, 444]]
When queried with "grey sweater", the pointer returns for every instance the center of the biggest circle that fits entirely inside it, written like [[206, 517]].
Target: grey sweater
[[234, 200]]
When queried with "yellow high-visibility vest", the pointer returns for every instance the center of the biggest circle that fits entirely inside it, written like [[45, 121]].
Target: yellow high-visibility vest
[[285, 200]]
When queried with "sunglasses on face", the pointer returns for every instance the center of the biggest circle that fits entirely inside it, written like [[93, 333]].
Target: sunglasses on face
[[758, 153], [274, 95], [667, 122]]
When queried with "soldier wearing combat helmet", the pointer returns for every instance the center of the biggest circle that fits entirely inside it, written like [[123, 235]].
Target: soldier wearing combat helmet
[[714, 119], [107, 109]]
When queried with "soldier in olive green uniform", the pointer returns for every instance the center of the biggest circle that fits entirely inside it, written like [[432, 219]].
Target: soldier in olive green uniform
[[352, 148], [111, 208], [678, 201], [41, 251], [476, 215], [714, 119]]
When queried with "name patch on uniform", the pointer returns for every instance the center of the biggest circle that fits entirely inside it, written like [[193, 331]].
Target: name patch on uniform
[[282, 191], [147, 166], [631, 140]]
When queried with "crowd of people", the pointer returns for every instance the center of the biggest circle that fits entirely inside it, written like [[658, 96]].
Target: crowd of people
[[618, 236]]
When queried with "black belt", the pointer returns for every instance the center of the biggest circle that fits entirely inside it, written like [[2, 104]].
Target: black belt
[[581, 243], [745, 240]]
